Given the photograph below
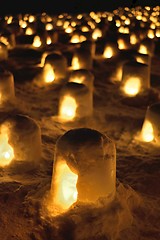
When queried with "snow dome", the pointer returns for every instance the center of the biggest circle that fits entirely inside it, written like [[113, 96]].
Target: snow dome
[[84, 168], [135, 78], [72, 101], [82, 58], [57, 63], [150, 129], [20, 138]]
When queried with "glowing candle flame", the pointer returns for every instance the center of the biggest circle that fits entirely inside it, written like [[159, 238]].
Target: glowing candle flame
[[6, 151], [75, 63], [147, 132], [48, 41], [66, 191], [49, 75], [108, 52], [37, 41], [68, 108], [132, 86]]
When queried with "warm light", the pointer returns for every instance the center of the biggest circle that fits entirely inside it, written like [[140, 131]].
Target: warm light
[[69, 29], [121, 44], [151, 34], [75, 38], [9, 21], [37, 41], [31, 18], [147, 132], [127, 21], [29, 31], [143, 49], [97, 33], [49, 26], [6, 151], [132, 86], [133, 39], [85, 29], [66, 191], [75, 63], [4, 40], [108, 52], [68, 108], [23, 24], [158, 32], [48, 40], [49, 75]]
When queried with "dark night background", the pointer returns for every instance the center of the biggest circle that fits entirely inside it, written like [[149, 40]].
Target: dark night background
[[71, 6]]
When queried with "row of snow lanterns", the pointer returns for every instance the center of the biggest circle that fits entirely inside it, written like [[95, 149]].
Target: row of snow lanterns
[[124, 21], [71, 172]]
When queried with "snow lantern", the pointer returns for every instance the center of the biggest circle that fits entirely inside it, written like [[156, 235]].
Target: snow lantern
[[135, 78], [76, 101], [150, 129], [58, 62], [83, 76], [20, 138], [84, 169], [3, 52], [124, 41], [7, 93], [147, 46], [82, 58]]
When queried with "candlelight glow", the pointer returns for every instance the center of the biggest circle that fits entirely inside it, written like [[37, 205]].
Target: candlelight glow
[[6, 151], [121, 44], [68, 108], [97, 33], [147, 132], [29, 31], [48, 40], [143, 49], [66, 191], [37, 41], [132, 86], [75, 63], [49, 75], [108, 52], [133, 39]]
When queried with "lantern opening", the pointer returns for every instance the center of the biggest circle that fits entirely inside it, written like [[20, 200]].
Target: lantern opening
[[49, 75], [6, 151], [68, 108], [147, 132], [132, 86], [66, 191]]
